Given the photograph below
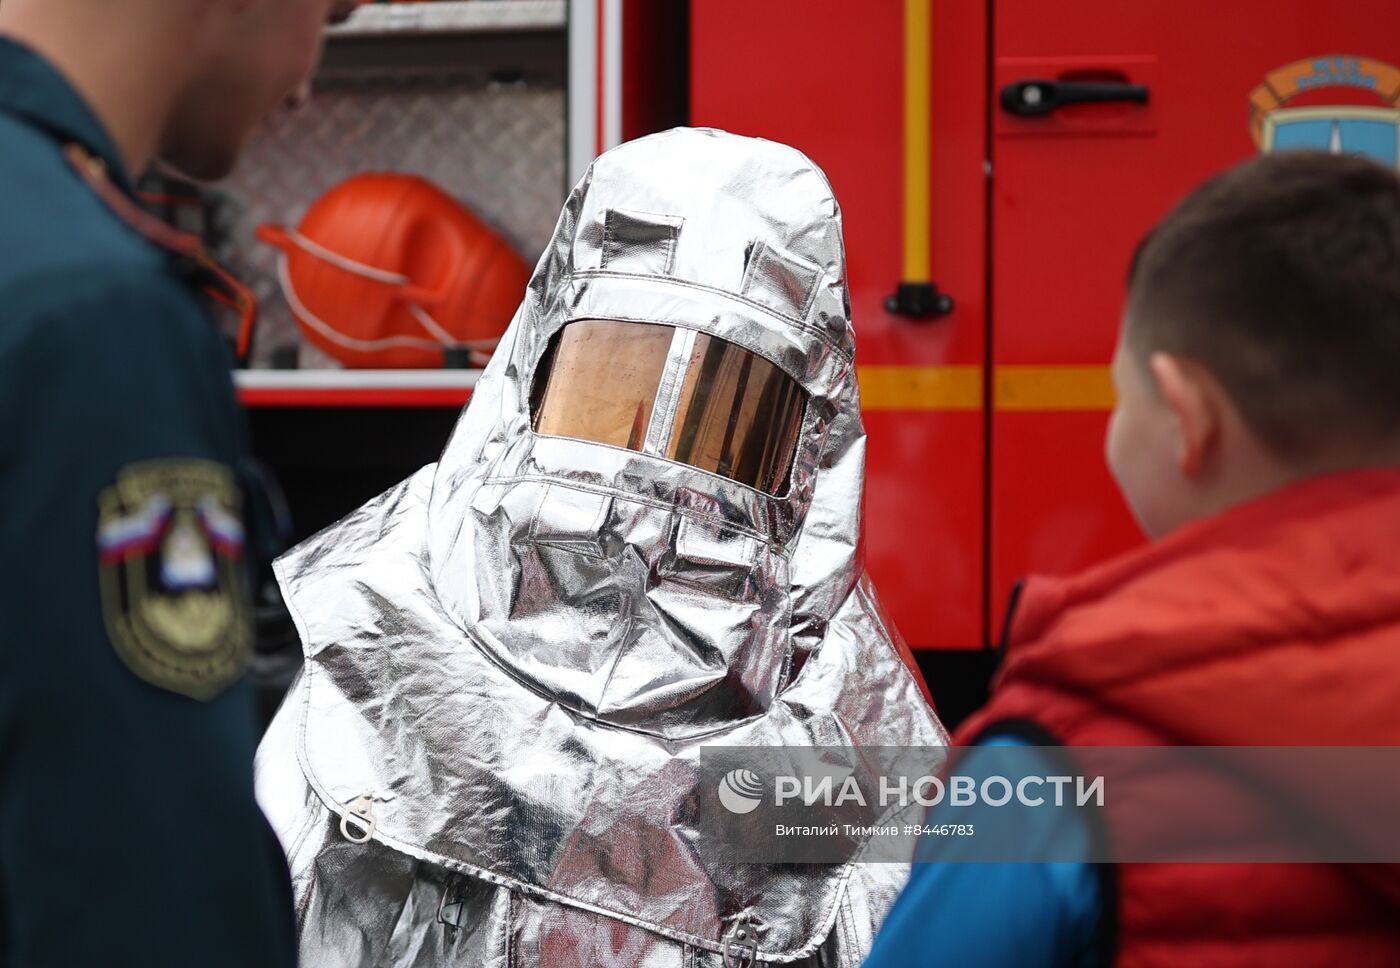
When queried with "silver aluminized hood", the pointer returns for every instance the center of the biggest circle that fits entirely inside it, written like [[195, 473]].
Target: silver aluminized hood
[[516, 655]]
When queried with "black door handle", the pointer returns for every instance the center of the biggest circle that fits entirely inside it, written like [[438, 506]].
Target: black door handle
[[1035, 97]]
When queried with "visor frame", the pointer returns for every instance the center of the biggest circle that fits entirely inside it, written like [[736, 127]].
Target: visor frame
[[675, 416]]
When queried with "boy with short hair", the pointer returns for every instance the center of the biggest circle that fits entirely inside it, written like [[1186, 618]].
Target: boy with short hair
[[1257, 438]]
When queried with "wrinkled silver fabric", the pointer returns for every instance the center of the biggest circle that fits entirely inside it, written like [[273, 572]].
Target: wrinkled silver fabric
[[514, 657]]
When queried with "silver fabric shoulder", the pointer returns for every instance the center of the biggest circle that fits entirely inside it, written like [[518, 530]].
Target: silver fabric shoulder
[[514, 657]]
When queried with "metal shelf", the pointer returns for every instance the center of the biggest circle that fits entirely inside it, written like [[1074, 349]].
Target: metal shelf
[[477, 42], [355, 388], [453, 17]]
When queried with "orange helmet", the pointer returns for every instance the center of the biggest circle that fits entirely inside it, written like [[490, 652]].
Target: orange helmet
[[388, 270]]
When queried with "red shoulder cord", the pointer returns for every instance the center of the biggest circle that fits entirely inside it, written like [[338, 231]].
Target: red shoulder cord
[[224, 288]]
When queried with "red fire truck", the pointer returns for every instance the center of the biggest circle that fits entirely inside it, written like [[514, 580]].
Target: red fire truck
[[996, 161]]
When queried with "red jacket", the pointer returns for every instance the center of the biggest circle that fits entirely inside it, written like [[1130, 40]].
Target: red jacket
[[1276, 623]]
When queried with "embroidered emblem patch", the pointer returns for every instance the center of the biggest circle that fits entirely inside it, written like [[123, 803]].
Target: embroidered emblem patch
[[170, 549]]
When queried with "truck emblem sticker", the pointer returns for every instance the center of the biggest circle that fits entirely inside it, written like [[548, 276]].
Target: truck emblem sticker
[[1336, 103]]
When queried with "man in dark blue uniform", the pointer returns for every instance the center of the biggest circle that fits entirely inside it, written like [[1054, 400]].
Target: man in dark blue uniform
[[128, 830]]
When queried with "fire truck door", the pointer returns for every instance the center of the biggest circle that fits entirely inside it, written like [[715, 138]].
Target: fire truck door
[[1104, 113], [889, 98]]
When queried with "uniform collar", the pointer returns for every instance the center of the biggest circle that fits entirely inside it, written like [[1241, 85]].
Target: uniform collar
[[31, 88]]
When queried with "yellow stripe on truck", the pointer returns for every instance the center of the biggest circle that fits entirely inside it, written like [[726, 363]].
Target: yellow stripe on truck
[[920, 387], [959, 388], [918, 138], [1052, 388]]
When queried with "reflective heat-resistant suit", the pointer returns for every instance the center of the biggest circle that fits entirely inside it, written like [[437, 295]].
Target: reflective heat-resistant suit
[[642, 538]]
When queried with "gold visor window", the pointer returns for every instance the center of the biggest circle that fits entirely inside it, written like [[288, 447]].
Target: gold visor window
[[676, 393]]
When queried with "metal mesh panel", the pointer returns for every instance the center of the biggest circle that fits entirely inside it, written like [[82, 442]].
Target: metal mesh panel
[[497, 148]]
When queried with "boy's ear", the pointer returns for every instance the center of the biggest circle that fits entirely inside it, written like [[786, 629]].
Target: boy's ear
[[1186, 391]]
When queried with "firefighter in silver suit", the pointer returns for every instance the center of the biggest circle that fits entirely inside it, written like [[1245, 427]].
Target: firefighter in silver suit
[[642, 538]]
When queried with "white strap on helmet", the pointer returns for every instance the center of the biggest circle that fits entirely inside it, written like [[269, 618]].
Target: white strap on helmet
[[441, 337]]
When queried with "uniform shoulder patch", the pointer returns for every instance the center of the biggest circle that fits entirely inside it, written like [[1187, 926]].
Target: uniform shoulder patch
[[170, 547]]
